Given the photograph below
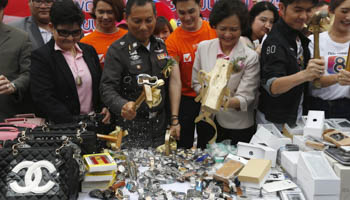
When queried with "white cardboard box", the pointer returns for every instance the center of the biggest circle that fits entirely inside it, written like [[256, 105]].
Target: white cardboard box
[[298, 129], [256, 185], [257, 151], [330, 160], [324, 197], [289, 162], [255, 173], [268, 134], [316, 177], [88, 186], [300, 141], [314, 124], [343, 172]]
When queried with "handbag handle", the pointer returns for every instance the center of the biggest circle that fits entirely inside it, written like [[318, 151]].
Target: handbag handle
[[28, 115], [9, 120], [12, 129], [3, 124], [22, 141], [64, 143]]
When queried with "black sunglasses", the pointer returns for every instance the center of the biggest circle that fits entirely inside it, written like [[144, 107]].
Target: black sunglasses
[[66, 33]]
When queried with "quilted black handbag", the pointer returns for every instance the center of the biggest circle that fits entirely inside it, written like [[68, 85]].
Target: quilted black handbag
[[87, 140], [38, 173], [91, 122]]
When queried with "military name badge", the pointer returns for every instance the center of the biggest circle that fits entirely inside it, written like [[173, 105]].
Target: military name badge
[[161, 56]]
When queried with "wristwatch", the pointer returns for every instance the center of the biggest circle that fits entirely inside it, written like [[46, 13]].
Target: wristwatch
[[14, 86]]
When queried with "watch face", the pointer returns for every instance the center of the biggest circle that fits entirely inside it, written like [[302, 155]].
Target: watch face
[[337, 136]]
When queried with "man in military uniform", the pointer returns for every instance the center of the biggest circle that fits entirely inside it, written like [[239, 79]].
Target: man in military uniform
[[138, 52], [286, 66]]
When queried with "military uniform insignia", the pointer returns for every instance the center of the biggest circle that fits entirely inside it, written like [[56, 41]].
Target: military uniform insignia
[[158, 50], [161, 56], [134, 57]]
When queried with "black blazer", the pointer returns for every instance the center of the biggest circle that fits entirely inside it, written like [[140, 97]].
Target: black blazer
[[53, 86]]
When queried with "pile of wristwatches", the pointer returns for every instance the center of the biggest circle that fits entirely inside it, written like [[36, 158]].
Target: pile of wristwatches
[[143, 171]]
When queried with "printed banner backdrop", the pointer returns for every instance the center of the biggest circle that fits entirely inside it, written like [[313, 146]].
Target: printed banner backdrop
[[19, 8]]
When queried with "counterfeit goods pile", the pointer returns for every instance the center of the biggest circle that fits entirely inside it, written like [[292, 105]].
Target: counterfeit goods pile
[[184, 174], [144, 171]]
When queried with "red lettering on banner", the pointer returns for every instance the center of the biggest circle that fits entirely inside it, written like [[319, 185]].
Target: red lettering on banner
[[19, 8]]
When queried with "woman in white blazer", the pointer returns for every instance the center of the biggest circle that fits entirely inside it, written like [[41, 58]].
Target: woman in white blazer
[[237, 122]]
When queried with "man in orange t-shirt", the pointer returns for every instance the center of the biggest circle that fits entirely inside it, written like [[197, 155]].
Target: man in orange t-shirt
[[106, 13], [182, 45]]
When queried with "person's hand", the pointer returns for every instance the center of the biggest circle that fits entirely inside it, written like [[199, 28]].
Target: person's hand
[[175, 126], [343, 77], [175, 131], [314, 69], [129, 111], [234, 103], [107, 114], [5, 86]]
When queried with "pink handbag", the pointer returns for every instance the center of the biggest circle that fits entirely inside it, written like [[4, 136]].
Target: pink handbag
[[26, 120], [8, 133]]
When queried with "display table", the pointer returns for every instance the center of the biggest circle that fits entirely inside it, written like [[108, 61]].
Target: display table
[[296, 166], [178, 187]]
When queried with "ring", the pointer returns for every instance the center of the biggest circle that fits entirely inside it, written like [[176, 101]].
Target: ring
[[8, 86]]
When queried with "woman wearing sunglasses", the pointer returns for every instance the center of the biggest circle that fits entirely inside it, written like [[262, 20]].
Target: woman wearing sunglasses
[[65, 74]]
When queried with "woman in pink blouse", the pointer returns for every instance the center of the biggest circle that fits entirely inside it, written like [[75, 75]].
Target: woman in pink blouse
[[65, 74]]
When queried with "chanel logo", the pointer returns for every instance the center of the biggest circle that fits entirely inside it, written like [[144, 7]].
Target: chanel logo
[[33, 177]]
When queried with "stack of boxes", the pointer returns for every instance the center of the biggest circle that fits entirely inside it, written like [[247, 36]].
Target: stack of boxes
[[100, 169]]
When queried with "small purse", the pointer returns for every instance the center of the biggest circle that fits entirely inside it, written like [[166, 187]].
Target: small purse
[[26, 120], [38, 173]]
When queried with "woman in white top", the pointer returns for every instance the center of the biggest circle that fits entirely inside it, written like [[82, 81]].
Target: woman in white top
[[237, 123], [334, 96]]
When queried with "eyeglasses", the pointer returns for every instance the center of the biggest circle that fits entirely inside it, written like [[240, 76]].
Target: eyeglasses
[[38, 2], [66, 33]]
